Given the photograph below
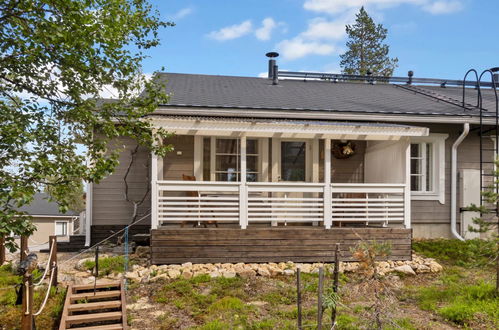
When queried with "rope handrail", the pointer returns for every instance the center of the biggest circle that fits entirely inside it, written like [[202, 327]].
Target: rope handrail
[[47, 267], [48, 292], [104, 240]]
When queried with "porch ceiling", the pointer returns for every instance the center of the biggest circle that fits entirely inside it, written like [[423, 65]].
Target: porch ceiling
[[210, 126]]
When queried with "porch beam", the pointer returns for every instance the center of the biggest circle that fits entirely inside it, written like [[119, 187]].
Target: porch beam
[[198, 157], [407, 190], [328, 220]]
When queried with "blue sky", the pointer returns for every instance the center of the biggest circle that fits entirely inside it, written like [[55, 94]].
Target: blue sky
[[434, 38]]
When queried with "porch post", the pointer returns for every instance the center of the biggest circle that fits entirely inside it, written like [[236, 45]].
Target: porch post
[[243, 191], [328, 220], [407, 190], [154, 191]]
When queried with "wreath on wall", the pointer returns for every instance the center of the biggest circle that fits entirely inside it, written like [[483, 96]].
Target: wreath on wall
[[343, 150]]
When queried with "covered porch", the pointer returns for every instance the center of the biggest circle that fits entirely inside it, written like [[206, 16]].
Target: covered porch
[[245, 174]]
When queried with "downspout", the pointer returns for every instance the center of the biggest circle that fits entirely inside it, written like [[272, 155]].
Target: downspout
[[453, 192]]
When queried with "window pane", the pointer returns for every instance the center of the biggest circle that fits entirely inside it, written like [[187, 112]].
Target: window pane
[[227, 146], [415, 183], [429, 167], [61, 228], [226, 163], [252, 147], [251, 163], [415, 166], [230, 177], [415, 150], [293, 161], [251, 177]]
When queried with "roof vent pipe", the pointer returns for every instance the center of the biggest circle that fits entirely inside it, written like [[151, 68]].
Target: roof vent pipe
[[275, 78], [496, 78], [410, 74], [272, 63]]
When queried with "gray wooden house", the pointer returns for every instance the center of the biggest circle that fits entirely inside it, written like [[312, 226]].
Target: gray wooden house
[[281, 168]]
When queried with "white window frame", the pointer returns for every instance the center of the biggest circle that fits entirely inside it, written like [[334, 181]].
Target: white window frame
[[438, 176], [214, 154], [67, 228]]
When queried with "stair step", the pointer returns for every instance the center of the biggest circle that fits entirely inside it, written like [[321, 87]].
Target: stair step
[[94, 306], [97, 317], [117, 326], [77, 288], [96, 295]]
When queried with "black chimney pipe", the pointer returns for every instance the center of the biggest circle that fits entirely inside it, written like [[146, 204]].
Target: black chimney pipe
[[272, 63], [275, 77], [410, 74]]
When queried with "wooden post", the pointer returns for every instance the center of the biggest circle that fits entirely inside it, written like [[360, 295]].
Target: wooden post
[[27, 311], [319, 298], [53, 259], [298, 293], [24, 247], [336, 277], [2, 250]]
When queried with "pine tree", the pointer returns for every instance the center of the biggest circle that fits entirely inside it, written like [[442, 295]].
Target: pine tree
[[366, 50]]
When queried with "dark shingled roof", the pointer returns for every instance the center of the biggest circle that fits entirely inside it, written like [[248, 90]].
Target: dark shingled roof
[[195, 90], [42, 206]]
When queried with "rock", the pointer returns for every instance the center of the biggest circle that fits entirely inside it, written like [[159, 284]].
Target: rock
[[263, 272], [173, 273], [214, 274], [160, 277], [420, 269], [247, 273], [80, 265], [405, 269], [187, 274], [435, 267], [288, 272], [305, 268], [227, 274], [187, 265], [274, 271], [258, 303], [133, 276], [81, 274]]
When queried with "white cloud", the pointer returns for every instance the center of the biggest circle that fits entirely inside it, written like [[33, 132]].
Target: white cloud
[[320, 28], [443, 7], [298, 47], [232, 32], [339, 6], [182, 13], [263, 75], [264, 33]]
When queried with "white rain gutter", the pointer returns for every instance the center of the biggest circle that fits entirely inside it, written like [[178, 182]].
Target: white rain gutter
[[453, 191]]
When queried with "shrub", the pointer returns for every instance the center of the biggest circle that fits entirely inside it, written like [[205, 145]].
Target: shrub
[[108, 265]]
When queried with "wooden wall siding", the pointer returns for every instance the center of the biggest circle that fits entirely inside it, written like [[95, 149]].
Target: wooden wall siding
[[219, 245], [102, 232], [432, 212], [109, 204], [350, 170], [175, 165]]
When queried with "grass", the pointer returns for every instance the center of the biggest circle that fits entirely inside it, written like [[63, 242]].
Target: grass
[[468, 254], [109, 265], [10, 314]]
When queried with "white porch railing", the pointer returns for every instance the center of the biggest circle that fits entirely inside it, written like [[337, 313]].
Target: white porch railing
[[279, 202]]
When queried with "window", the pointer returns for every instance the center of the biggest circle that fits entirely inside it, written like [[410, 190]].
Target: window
[[422, 167], [428, 167], [293, 161], [61, 228], [228, 161]]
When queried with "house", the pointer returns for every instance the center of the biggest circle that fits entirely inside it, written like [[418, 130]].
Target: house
[[49, 221], [276, 169]]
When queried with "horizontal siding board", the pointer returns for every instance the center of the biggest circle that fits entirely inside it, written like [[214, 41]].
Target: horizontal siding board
[[269, 244]]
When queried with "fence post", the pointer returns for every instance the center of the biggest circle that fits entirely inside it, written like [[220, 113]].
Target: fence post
[[2, 250], [27, 311], [24, 247], [336, 279], [298, 293], [319, 298], [53, 259]]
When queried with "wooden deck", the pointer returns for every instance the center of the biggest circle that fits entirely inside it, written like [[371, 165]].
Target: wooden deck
[[272, 244]]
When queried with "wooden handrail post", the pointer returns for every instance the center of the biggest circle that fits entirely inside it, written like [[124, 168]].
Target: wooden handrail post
[[319, 298], [53, 259], [2, 250], [24, 247], [298, 293], [27, 311], [336, 281]]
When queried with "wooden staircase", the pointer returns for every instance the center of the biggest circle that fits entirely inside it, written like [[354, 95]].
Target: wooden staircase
[[104, 309]]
